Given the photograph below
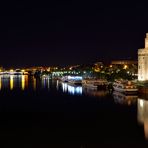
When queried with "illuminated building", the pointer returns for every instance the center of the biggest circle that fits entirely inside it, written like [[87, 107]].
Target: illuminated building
[[126, 64], [143, 62], [123, 62]]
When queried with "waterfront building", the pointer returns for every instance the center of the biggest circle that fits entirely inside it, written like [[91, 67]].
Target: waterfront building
[[143, 61], [124, 62]]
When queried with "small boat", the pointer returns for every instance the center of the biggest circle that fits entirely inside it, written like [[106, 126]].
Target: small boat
[[127, 87], [95, 84]]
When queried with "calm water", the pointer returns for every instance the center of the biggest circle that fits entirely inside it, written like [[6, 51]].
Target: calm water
[[43, 113]]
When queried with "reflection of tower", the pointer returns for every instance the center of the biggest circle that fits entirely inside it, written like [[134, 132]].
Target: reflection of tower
[[143, 62], [142, 114]]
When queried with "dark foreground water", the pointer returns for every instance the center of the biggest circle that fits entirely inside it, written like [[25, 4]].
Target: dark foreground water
[[44, 113]]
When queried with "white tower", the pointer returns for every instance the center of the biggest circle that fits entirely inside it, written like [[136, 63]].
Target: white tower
[[143, 62]]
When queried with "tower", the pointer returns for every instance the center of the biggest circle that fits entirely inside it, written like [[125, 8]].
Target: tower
[[143, 62]]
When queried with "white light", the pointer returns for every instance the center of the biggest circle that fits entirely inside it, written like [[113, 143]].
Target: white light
[[74, 77], [141, 103], [64, 86], [78, 90], [71, 89]]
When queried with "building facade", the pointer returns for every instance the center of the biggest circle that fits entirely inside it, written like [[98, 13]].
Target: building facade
[[123, 62], [143, 62]]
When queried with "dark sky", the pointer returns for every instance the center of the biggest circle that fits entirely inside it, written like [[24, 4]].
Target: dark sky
[[63, 32]]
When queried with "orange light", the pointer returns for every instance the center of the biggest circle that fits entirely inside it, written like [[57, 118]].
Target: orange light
[[125, 67]]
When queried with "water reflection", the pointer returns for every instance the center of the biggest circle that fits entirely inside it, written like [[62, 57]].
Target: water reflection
[[13, 81], [142, 114], [23, 82], [0, 83], [57, 85], [64, 87], [34, 83], [124, 99], [95, 93], [45, 82], [74, 90]]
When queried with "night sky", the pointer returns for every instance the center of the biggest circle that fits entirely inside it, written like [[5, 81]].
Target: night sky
[[64, 33]]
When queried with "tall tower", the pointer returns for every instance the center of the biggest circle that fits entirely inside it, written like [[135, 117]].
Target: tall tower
[[143, 62]]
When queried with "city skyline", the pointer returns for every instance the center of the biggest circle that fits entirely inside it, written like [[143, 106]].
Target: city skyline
[[68, 33]]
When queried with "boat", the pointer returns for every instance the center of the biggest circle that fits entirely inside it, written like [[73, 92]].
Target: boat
[[72, 80], [95, 83], [64, 79], [127, 87]]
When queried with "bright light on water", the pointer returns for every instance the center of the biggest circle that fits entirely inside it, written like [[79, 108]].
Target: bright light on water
[[64, 87], [142, 115], [72, 89], [79, 90], [141, 103], [11, 82], [23, 82], [0, 82]]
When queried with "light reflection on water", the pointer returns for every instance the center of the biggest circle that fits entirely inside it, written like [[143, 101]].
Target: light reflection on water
[[142, 107], [34, 83], [122, 98], [13, 81], [0, 83], [74, 90], [79, 90], [24, 82], [142, 115], [95, 93], [45, 82]]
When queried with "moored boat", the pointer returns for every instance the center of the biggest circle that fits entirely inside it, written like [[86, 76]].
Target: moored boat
[[64, 79], [125, 87], [95, 84]]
